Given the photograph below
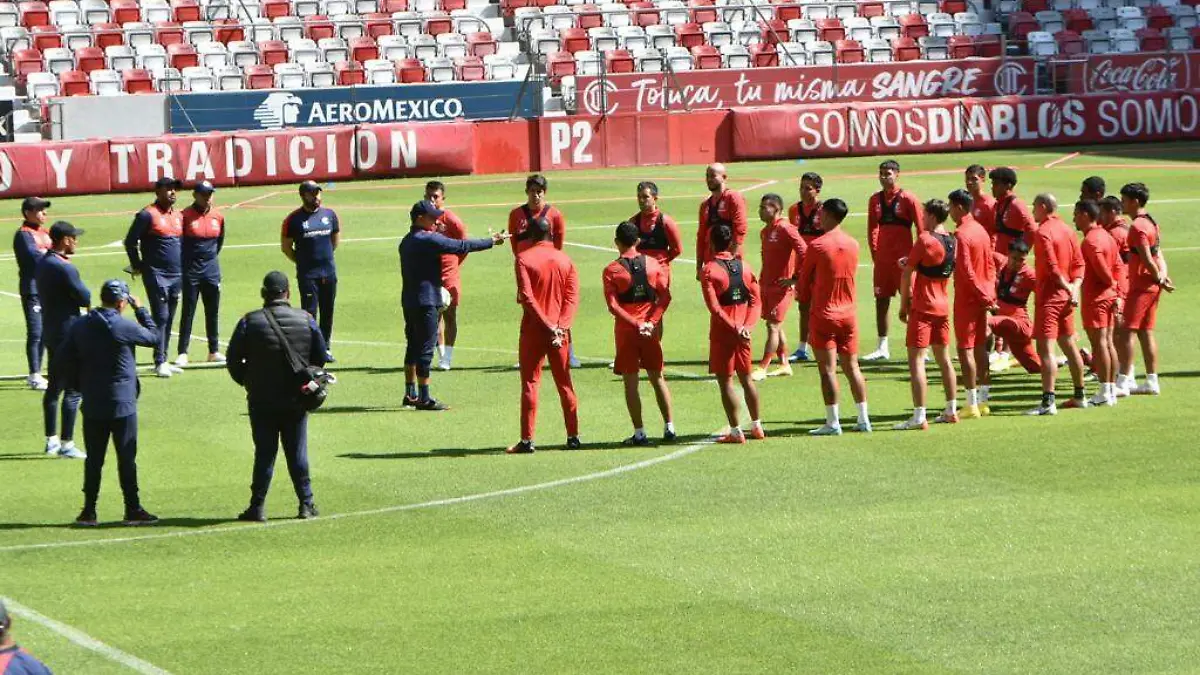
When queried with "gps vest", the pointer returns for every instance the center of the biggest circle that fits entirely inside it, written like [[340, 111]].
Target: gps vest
[[1157, 234], [656, 238], [639, 289], [737, 293], [889, 212], [809, 225], [530, 219], [946, 268], [1001, 227], [1006, 288], [714, 216]]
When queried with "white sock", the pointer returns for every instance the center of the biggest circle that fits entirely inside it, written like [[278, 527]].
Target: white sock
[[639, 432], [1132, 374], [883, 344], [756, 424], [831, 415], [918, 415], [951, 406], [68, 445], [447, 353], [984, 391], [670, 426], [1152, 380], [863, 417], [804, 347], [1109, 389], [972, 397]]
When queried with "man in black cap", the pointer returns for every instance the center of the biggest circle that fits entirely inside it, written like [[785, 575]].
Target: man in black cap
[[13, 659], [62, 295], [257, 361], [421, 253], [98, 359], [310, 236], [203, 237], [30, 243], [155, 252]]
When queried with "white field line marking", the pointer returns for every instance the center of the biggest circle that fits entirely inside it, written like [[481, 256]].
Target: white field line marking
[[593, 247], [449, 501], [1060, 160], [84, 640], [265, 195]]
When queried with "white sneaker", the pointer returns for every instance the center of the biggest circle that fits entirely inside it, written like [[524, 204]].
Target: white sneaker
[[911, 424], [163, 370], [1121, 392], [53, 446], [216, 357], [69, 451], [826, 430], [877, 355], [1144, 390], [443, 365], [175, 369], [863, 427], [1061, 361], [181, 361], [1101, 399], [36, 382], [1051, 409]]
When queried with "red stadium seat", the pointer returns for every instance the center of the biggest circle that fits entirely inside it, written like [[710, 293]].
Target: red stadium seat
[[481, 44], [1195, 33], [763, 56], [276, 8], [137, 81], [389, 6], [953, 6], [870, 9], [469, 69], [182, 56], [786, 10], [619, 61], [453, 5], [914, 26], [1077, 20], [107, 35], [961, 47], [378, 24], [45, 37], [272, 52], [125, 11], [645, 16], [437, 23], [34, 14], [1158, 17], [905, 49], [1020, 25], [318, 27], [1035, 6], [706, 57], [363, 49], [350, 73], [411, 70], [589, 16], [774, 31], [228, 30], [989, 46], [848, 51], [703, 11], [574, 40], [261, 75], [25, 61], [689, 35], [88, 59], [167, 33], [1070, 43], [185, 10], [560, 65], [1152, 39], [831, 30], [74, 83]]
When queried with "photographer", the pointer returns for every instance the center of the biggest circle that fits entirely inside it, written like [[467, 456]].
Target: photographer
[[258, 360]]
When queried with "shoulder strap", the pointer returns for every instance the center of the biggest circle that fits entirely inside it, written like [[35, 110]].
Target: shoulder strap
[[289, 352]]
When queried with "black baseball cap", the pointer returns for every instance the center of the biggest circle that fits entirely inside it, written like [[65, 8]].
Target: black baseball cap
[[34, 204], [275, 283], [114, 290], [167, 182], [204, 187], [62, 229], [424, 208], [310, 186]]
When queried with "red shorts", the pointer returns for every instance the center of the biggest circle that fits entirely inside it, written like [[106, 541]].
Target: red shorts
[[970, 326], [635, 351], [726, 357], [454, 287], [1054, 318], [1141, 308], [925, 330], [776, 301], [888, 273], [1098, 314], [840, 334]]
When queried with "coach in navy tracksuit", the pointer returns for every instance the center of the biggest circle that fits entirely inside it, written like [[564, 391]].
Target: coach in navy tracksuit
[[421, 252], [62, 295], [30, 243], [155, 252], [97, 357], [309, 237], [203, 237]]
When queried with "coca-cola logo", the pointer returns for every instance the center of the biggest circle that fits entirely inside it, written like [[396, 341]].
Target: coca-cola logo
[[1134, 74]]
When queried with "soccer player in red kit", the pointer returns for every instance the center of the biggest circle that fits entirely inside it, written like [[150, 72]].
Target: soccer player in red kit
[[1114, 223], [891, 215], [1100, 298], [1012, 218], [827, 280], [1092, 188], [637, 290], [658, 235], [548, 292], [1015, 281], [732, 296], [805, 215], [1059, 264], [983, 205], [925, 306], [722, 207], [974, 295], [782, 252], [1147, 280], [450, 225]]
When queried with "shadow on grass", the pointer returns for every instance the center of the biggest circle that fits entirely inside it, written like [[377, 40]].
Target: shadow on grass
[[680, 441], [1181, 373], [350, 409], [165, 522], [22, 456]]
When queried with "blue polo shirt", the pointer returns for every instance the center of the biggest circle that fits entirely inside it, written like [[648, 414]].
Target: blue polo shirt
[[97, 357], [21, 662], [421, 254], [313, 237], [62, 294]]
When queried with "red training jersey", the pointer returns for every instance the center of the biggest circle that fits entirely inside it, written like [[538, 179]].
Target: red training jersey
[[728, 208], [806, 219], [928, 293], [1100, 262], [1143, 232], [983, 210], [827, 276], [891, 218], [518, 222], [451, 226], [1013, 287], [727, 319], [1057, 253], [547, 287], [658, 236], [974, 269], [618, 280], [1120, 234], [1013, 220], [782, 251]]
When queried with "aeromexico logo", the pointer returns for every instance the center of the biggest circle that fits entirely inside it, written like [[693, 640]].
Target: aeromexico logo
[[285, 109]]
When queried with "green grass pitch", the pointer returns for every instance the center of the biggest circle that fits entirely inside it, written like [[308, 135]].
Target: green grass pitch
[[1002, 545]]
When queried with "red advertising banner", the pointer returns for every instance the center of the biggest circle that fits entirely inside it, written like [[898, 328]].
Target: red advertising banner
[[859, 82], [583, 142], [414, 149], [264, 158], [48, 169], [135, 164], [790, 131], [877, 128], [1136, 73]]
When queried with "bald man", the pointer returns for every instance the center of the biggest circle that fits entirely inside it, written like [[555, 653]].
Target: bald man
[[723, 207]]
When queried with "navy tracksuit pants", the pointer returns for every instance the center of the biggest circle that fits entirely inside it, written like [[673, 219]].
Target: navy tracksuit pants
[[50, 404], [162, 292], [32, 306], [270, 429], [96, 433], [207, 290], [317, 297]]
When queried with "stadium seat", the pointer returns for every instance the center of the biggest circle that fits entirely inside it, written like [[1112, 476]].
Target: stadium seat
[[817, 11], [689, 35], [706, 57], [26, 61], [735, 56], [45, 37], [167, 80], [288, 76], [58, 60], [877, 50], [197, 32], [620, 61], [500, 67], [1104, 18], [1098, 41], [41, 85], [272, 52], [961, 46], [210, 54], [745, 33], [228, 78], [228, 30], [905, 49], [392, 48], [820, 53], [467, 23], [424, 47], [320, 74], [120, 57], [1021, 24], [88, 59], [792, 54], [382, 72], [436, 23], [858, 28], [1077, 20], [346, 27], [243, 53], [10, 16], [913, 26], [763, 55], [35, 14], [588, 63], [644, 14], [871, 10], [774, 31], [1050, 21], [615, 15], [410, 70], [717, 34], [952, 6], [545, 41], [603, 38], [75, 37], [968, 23], [152, 57], [93, 12], [198, 78], [678, 59], [360, 49], [137, 81], [848, 51], [13, 38], [1070, 43], [559, 65], [633, 37], [318, 26], [183, 56], [559, 17], [830, 30], [1151, 40], [937, 48], [452, 45], [786, 10], [1178, 39], [661, 37], [276, 8], [154, 11], [106, 35], [1124, 41], [168, 33], [1131, 18], [350, 73], [333, 50], [378, 25], [1041, 43], [648, 60], [74, 83], [470, 69], [303, 51], [1184, 16]]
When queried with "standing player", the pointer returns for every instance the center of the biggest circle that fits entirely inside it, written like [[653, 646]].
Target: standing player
[[1092, 189], [722, 207], [62, 295], [782, 253], [826, 279], [1100, 300], [732, 296], [1114, 223], [1059, 272], [30, 243], [974, 295], [638, 291], [805, 215], [451, 226], [658, 235], [548, 292], [1147, 280], [154, 247], [983, 205], [891, 214], [1010, 322], [1013, 218], [309, 236], [203, 237], [925, 307]]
